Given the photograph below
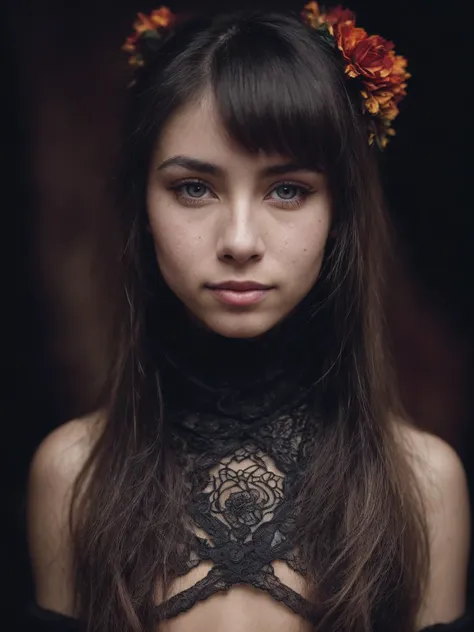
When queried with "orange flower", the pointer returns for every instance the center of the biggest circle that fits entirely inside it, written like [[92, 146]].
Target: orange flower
[[383, 97], [338, 15], [383, 73], [143, 24], [370, 102], [377, 102], [396, 80], [130, 43], [367, 57], [399, 76], [399, 66], [312, 15], [159, 18], [162, 17], [389, 111], [347, 38]]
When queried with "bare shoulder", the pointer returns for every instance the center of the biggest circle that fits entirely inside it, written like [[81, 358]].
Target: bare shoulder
[[53, 470], [65, 449], [444, 488], [436, 464]]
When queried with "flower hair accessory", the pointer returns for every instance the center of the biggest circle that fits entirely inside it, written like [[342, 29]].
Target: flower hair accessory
[[149, 31], [371, 59], [368, 58]]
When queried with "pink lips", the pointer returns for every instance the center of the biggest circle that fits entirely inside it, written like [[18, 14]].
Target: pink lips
[[240, 293]]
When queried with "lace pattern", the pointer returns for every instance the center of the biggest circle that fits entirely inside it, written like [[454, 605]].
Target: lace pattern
[[242, 479]]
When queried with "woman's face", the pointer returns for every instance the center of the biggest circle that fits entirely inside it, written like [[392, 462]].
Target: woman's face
[[239, 237]]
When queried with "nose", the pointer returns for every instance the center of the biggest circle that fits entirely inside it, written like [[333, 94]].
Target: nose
[[240, 239]]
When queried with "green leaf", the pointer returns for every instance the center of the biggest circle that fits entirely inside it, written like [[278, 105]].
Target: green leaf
[[325, 34]]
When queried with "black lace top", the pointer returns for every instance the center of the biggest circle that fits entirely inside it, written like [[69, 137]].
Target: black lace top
[[241, 493], [243, 436], [240, 428]]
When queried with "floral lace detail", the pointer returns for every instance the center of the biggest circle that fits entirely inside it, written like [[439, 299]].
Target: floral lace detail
[[252, 495], [242, 480]]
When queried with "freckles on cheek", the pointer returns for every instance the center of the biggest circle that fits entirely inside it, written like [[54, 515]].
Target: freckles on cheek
[[304, 253], [178, 251]]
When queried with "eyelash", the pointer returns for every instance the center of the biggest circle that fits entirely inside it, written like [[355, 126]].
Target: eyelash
[[304, 193]]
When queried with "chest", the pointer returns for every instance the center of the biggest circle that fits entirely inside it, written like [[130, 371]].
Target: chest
[[242, 608]]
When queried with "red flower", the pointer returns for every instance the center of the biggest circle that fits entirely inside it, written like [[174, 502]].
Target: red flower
[[382, 72], [338, 15], [367, 57]]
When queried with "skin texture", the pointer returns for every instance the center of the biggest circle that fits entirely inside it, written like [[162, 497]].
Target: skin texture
[[238, 225]]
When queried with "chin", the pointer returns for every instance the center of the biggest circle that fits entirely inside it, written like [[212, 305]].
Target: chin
[[240, 325]]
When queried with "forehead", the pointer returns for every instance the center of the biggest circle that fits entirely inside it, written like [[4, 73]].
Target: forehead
[[197, 130], [193, 127]]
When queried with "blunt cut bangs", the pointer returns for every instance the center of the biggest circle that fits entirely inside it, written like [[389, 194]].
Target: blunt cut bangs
[[269, 98]]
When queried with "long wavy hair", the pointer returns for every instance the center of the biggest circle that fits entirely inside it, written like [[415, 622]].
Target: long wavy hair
[[280, 88]]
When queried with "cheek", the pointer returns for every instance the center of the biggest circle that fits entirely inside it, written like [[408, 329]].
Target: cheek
[[177, 246], [304, 246]]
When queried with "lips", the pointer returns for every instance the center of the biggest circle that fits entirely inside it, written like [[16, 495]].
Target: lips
[[239, 286], [240, 294]]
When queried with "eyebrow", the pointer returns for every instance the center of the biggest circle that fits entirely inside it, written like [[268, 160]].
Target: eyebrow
[[194, 164]]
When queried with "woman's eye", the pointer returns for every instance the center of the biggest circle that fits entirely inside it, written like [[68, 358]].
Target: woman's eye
[[290, 194], [191, 192], [193, 189], [287, 191], [286, 195]]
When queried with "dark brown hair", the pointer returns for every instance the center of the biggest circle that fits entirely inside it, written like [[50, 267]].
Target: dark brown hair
[[279, 88]]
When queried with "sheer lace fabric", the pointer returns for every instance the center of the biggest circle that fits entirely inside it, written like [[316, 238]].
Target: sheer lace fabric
[[242, 480]]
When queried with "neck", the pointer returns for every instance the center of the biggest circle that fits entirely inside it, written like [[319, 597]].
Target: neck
[[244, 378]]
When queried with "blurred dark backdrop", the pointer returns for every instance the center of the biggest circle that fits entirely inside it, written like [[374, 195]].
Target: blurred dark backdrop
[[62, 95]]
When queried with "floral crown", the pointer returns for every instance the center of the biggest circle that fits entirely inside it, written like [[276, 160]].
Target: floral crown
[[370, 59]]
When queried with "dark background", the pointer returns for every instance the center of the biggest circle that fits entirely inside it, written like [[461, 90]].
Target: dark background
[[63, 78]]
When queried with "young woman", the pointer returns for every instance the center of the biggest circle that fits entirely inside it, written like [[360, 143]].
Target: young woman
[[251, 468]]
